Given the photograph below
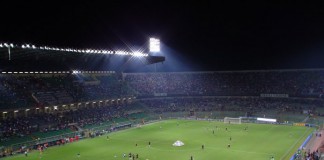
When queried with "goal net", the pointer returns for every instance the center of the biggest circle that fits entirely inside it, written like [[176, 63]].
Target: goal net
[[230, 120]]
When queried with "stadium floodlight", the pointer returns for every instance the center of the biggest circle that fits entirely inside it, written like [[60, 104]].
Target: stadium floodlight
[[118, 52], [154, 45], [11, 45], [137, 54], [1, 45]]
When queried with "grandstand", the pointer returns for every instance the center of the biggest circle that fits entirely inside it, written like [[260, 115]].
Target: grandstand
[[43, 102]]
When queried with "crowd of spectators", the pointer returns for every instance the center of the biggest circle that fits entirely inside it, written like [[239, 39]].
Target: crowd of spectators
[[294, 83], [248, 105], [13, 93], [42, 90], [46, 122], [18, 91]]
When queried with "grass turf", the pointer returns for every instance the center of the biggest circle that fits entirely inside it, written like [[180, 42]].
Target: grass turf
[[260, 141]]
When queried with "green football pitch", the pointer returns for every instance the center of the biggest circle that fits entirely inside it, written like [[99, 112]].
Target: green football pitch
[[258, 142]]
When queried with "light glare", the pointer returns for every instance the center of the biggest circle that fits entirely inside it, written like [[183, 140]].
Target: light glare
[[154, 45]]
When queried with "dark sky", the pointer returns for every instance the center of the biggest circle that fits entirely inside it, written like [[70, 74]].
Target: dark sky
[[205, 35]]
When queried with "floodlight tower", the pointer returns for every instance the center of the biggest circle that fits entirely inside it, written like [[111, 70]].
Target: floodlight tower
[[154, 46]]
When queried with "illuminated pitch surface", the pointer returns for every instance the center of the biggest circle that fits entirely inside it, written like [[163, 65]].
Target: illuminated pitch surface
[[258, 142]]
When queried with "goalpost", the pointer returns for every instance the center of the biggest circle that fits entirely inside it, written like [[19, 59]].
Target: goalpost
[[231, 120]]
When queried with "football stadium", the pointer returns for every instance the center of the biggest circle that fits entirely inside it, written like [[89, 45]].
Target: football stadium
[[88, 113], [159, 80]]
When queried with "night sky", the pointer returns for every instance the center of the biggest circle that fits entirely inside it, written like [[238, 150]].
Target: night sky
[[209, 35]]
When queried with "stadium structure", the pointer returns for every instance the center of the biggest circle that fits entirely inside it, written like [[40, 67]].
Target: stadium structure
[[52, 96]]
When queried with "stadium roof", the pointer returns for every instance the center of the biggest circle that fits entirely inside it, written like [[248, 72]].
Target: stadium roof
[[28, 57]]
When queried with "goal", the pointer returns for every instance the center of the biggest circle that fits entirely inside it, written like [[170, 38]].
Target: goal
[[230, 120]]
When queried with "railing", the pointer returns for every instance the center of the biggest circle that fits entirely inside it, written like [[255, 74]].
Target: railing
[[31, 144]]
